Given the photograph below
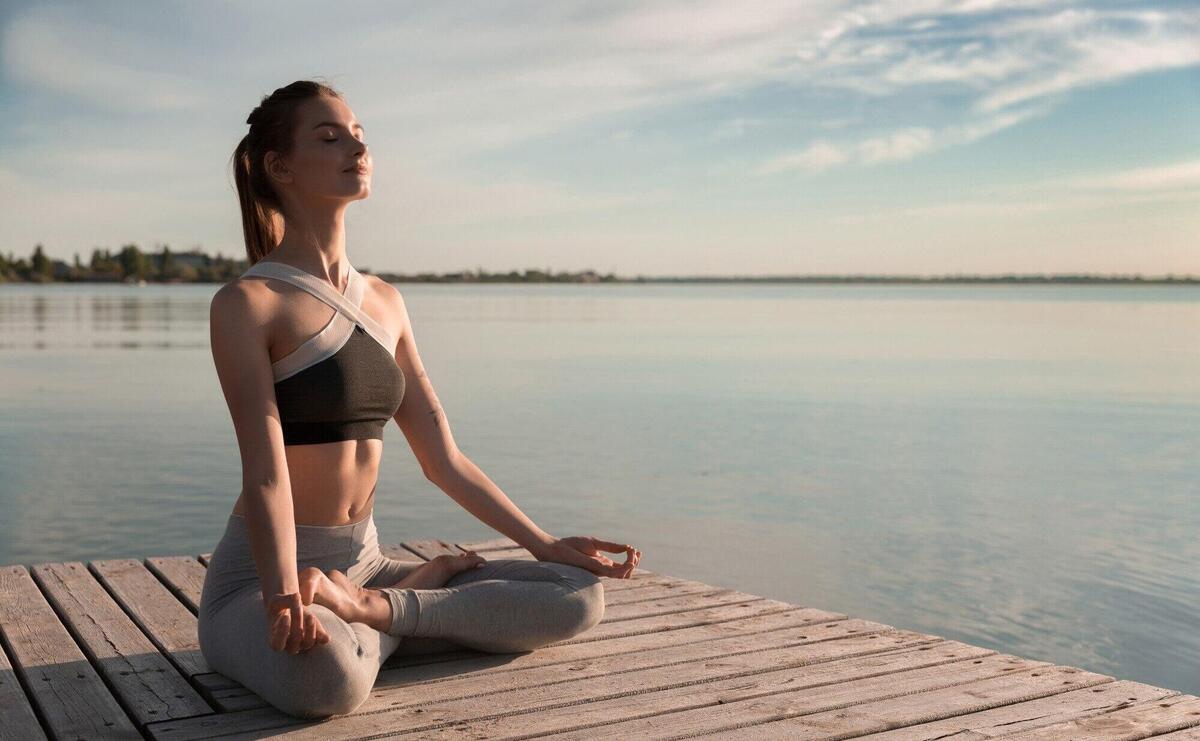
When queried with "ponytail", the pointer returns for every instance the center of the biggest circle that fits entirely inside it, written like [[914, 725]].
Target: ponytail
[[272, 124]]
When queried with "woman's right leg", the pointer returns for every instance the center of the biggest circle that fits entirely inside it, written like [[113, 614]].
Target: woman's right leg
[[331, 678]]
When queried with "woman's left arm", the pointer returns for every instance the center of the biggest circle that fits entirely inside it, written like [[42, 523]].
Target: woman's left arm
[[423, 422]]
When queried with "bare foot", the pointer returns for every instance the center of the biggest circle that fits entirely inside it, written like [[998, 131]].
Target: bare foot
[[435, 573], [336, 591]]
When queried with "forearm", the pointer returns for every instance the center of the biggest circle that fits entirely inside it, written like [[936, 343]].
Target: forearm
[[466, 484], [271, 526]]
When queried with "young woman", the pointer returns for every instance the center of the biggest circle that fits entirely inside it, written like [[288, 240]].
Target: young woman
[[299, 604]]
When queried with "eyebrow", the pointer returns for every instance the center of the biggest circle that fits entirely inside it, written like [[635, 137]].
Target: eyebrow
[[335, 124]]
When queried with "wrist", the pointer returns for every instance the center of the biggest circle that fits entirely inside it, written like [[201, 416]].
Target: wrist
[[540, 544]]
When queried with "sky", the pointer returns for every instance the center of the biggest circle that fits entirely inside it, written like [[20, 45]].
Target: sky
[[645, 138]]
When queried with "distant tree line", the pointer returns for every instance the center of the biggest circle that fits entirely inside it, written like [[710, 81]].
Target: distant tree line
[[131, 264]]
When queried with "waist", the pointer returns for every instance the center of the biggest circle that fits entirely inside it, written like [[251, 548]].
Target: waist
[[324, 546]]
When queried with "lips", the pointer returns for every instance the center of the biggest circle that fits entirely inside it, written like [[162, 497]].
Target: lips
[[356, 168]]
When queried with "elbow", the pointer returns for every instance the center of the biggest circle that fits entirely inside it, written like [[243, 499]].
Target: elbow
[[439, 468], [263, 483]]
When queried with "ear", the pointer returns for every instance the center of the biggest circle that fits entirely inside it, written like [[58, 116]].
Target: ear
[[276, 168]]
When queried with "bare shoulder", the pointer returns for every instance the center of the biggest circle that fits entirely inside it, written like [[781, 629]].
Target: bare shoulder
[[242, 300], [389, 295], [382, 288]]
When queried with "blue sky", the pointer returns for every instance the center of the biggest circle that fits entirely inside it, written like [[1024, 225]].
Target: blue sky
[[695, 138]]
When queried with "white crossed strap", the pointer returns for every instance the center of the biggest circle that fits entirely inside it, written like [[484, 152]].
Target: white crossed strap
[[322, 290]]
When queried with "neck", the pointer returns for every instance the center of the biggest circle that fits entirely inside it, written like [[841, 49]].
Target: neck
[[316, 242]]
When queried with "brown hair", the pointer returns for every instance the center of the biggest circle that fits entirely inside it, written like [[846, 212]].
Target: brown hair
[[272, 128]]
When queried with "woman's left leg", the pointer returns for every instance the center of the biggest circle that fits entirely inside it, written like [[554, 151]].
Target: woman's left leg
[[384, 572], [507, 605]]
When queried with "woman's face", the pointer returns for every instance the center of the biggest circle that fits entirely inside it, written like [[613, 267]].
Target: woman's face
[[329, 146]]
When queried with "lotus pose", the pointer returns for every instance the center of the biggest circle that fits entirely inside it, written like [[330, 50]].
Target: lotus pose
[[299, 604]]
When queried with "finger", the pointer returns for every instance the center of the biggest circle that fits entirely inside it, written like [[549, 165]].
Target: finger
[[630, 563], [610, 546], [297, 628], [310, 631], [595, 564], [322, 634], [611, 569], [280, 629]]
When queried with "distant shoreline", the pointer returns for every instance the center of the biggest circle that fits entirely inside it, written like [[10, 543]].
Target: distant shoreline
[[768, 279], [132, 265]]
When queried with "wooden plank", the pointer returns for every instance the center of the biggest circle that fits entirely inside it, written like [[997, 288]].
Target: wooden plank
[[400, 553], [1022, 716], [234, 700], [62, 684], [862, 706], [18, 722], [205, 558], [672, 621], [553, 703], [430, 548], [615, 597], [671, 603], [492, 544], [517, 553], [166, 621], [1187, 734], [146, 683], [183, 575], [1136, 720], [213, 682], [637, 580]]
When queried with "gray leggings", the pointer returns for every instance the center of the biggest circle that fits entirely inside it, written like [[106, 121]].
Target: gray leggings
[[507, 606]]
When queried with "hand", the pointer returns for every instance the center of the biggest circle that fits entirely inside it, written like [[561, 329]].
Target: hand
[[291, 627], [584, 551]]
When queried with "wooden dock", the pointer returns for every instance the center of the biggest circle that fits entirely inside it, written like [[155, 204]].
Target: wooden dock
[[109, 650]]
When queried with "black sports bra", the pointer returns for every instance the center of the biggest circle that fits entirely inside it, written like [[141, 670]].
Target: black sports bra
[[343, 383]]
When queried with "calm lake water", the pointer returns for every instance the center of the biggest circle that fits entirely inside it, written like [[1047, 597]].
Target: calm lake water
[[1011, 466]]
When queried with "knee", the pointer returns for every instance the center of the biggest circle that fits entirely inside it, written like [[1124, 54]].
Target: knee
[[586, 602], [329, 679], [591, 597]]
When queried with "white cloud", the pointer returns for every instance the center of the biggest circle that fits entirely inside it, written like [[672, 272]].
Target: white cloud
[[899, 145], [1179, 175], [818, 156], [894, 146], [1100, 59]]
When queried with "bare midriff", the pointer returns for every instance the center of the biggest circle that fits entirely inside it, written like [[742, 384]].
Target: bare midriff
[[332, 483]]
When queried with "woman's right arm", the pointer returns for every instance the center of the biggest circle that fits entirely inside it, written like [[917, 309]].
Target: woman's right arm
[[238, 336]]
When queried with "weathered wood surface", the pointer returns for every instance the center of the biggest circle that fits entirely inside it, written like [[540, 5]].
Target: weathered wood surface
[[109, 650]]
